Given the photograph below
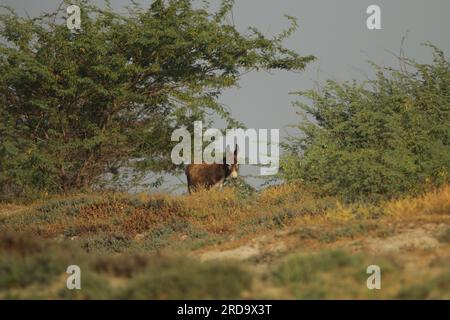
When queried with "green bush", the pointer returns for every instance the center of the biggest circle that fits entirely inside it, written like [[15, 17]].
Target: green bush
[[179, 278], [27, 260], [305, 268], [76, 106], [381, 138], [435, 288], [110, 242]]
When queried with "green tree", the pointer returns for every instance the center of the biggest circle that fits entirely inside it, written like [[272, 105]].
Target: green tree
[[76, 105], [381, 138]]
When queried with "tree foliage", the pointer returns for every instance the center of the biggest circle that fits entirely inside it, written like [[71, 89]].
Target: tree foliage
[[76, 105], [381, 138]]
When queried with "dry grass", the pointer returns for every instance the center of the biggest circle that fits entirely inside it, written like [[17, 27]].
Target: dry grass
[[279, 233], [216, 212], [435, 202]]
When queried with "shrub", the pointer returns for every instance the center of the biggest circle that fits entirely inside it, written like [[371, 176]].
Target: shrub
[[435, 288], [304, 268], [383, 138], [25, 260], [178, 278]]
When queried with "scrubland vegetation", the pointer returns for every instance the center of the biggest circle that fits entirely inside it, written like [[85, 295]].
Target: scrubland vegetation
[[379, 138], [365, 181], [283, 242]]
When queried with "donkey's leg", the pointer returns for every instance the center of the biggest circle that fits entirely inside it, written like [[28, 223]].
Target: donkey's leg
[[189, 184], [218, 185]]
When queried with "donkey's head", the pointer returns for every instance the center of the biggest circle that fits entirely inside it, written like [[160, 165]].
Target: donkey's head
[[231, 169]]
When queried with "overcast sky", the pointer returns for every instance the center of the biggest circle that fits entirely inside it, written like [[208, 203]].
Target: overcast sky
[[333, 31]]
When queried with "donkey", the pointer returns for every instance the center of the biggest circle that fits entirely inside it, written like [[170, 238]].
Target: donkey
[[211, 175]]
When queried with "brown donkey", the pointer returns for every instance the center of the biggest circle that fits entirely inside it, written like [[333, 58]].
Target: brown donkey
[[210, 175]]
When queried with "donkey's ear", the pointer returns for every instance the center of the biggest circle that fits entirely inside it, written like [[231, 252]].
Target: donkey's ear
[[236, 150], [228, 155], [228, 150]]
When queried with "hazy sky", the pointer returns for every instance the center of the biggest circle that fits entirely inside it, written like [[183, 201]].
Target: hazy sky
[[333, 31]]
